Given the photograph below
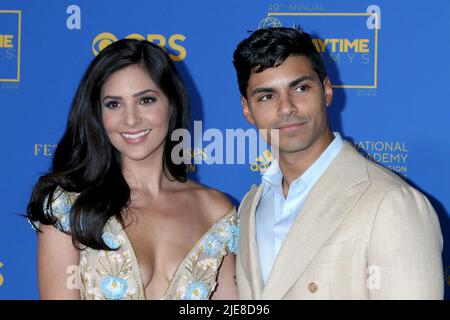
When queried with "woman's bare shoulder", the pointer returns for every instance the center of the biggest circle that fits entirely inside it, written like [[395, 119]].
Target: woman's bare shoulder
[[214, 204]]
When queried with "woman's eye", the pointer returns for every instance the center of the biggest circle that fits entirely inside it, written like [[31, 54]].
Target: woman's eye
[[112, 104], [147, 100]]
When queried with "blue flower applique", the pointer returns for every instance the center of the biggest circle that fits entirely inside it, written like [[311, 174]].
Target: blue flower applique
[[224, 234], [110, 240], [234, 241], [61, 208], [212, 244], [196, 291], [113, 288], [223, 230]]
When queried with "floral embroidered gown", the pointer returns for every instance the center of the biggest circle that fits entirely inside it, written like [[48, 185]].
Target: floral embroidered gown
[[116, 275]]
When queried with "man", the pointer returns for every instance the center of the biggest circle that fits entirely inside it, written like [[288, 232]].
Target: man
[[325, 223]]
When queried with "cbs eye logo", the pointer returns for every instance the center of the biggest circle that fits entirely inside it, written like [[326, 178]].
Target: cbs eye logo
[[177, 51], [101, 41]]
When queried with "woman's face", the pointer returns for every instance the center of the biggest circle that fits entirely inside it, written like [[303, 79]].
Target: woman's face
[[135, 114]]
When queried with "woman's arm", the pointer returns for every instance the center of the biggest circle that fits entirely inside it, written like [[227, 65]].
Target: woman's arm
[[57, 265], [226, 288]]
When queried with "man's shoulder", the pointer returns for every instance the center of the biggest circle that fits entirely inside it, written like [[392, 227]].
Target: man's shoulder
[[376, 173], [379, 174], [356, 168], [386, 184]]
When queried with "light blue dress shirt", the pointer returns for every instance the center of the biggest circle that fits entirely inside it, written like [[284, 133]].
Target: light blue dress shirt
[[275, 214]]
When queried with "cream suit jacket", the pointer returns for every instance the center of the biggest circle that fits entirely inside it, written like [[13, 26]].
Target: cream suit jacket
[[363, 233]]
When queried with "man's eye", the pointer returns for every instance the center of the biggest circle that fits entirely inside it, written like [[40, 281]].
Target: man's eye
[[112, 104], [302, 88], [147, 100], [265, 97]]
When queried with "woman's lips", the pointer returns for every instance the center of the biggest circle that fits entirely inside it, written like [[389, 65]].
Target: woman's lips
[[135, 137]]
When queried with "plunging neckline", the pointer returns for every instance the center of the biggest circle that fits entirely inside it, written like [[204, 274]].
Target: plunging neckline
[[180, 265]]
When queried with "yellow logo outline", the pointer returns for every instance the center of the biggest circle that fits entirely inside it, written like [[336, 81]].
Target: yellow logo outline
[[19, 32], [344, 14]]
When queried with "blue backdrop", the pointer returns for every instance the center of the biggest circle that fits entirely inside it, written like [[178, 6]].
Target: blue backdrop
[[387, 60]]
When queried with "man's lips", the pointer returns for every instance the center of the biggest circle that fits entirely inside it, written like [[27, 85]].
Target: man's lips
[[291, 125]]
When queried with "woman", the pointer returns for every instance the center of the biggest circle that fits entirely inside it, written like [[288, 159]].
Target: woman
[[124, 213]]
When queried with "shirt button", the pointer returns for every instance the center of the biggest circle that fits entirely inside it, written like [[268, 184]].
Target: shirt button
[[312, 287]]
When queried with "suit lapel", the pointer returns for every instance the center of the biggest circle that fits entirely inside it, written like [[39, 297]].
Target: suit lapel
[[247, 244], [334, 194]]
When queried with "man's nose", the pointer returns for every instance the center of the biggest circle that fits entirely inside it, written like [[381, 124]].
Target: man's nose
[[287, 106]]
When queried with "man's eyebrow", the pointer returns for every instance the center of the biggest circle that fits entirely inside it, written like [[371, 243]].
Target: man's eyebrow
[[261, 90], [295, 82]]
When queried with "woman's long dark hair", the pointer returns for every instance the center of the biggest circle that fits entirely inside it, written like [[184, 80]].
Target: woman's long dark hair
[[85, 161]]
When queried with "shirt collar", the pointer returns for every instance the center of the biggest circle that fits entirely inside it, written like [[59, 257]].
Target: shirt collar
[[273, 175]]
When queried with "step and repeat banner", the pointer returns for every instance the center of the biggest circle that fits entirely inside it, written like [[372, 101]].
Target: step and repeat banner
[[387, 60]]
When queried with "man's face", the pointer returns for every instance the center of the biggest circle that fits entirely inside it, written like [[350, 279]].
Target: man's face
[[292, 99]]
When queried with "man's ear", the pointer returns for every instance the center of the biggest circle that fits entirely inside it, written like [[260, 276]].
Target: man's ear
[[328, 91], [246, 110]]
